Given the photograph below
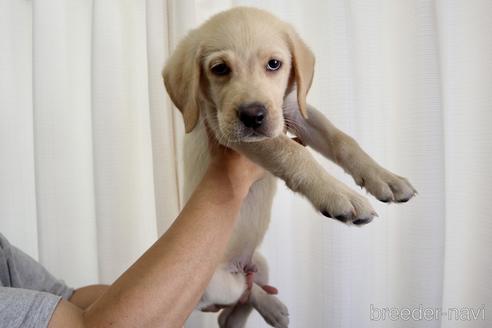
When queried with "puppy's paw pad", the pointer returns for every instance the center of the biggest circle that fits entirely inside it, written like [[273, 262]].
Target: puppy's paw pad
[[340, 217], [361, 222], [344, 217]]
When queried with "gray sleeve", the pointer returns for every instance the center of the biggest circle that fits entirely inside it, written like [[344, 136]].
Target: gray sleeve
[[26, 308], [19, 270]]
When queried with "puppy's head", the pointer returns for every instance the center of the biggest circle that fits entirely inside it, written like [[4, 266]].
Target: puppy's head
[[237, 68]]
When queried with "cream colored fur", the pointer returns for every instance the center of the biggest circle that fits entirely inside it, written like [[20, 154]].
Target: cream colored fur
[[246, 39]]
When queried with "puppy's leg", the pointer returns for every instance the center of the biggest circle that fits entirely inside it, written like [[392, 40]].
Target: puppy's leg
[[319, 133], [294, 164], [237, 315], [225, 288], [270, 307]]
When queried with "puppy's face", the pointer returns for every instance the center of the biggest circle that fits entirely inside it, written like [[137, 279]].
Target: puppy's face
[[245, 83], [236, 69]]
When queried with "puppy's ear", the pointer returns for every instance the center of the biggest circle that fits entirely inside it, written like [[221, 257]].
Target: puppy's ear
[[182, 80], [302, 67]]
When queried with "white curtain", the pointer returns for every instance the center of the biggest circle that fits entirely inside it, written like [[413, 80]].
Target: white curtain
[[90, 157]]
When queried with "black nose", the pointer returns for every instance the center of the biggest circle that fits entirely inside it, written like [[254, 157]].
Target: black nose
[[252, 115]]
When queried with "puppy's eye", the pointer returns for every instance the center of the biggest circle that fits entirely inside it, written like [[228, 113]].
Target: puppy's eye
[[220, 69], [273, 64]]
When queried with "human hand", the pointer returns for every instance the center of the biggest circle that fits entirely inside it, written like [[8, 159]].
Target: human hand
[[226, 162]]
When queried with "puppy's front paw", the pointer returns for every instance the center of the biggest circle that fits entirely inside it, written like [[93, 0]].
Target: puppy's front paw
[[385, 186], [348, 207]]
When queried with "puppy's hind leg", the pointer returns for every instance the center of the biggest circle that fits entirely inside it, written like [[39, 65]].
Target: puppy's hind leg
[[270, 308], [225, 288], [237, 315]]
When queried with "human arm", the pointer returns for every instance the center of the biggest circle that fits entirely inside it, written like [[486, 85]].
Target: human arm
[[164, 285], [83, 297]]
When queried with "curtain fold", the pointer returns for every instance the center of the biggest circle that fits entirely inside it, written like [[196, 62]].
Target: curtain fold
[[91, 159], [63, 156], [18, 209], [466, 65]]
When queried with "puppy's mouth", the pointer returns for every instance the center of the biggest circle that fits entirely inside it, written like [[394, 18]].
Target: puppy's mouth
[[239, 133], [254, 135]]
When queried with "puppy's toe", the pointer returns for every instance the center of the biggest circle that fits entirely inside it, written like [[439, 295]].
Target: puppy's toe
[[402, 190], [386, 186], [358, 212], [363, 209], [379, 189]]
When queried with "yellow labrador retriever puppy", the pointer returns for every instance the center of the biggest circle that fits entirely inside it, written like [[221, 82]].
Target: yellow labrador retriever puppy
[[246, 74]]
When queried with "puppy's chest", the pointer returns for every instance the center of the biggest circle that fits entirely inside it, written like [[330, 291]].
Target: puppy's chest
[[254, 216]]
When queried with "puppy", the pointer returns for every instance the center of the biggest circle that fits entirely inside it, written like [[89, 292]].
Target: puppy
[[246, 74]]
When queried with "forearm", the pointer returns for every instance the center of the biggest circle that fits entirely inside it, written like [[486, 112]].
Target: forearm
[[163, 286], [85, 296]]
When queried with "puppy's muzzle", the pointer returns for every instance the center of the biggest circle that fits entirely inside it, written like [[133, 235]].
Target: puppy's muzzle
[[252, 115]]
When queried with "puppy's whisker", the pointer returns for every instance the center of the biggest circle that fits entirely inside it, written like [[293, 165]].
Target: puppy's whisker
[[298, 129], [293, 126]]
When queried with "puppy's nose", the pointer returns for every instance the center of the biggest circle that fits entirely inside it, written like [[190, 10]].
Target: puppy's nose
[[252, 115]]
